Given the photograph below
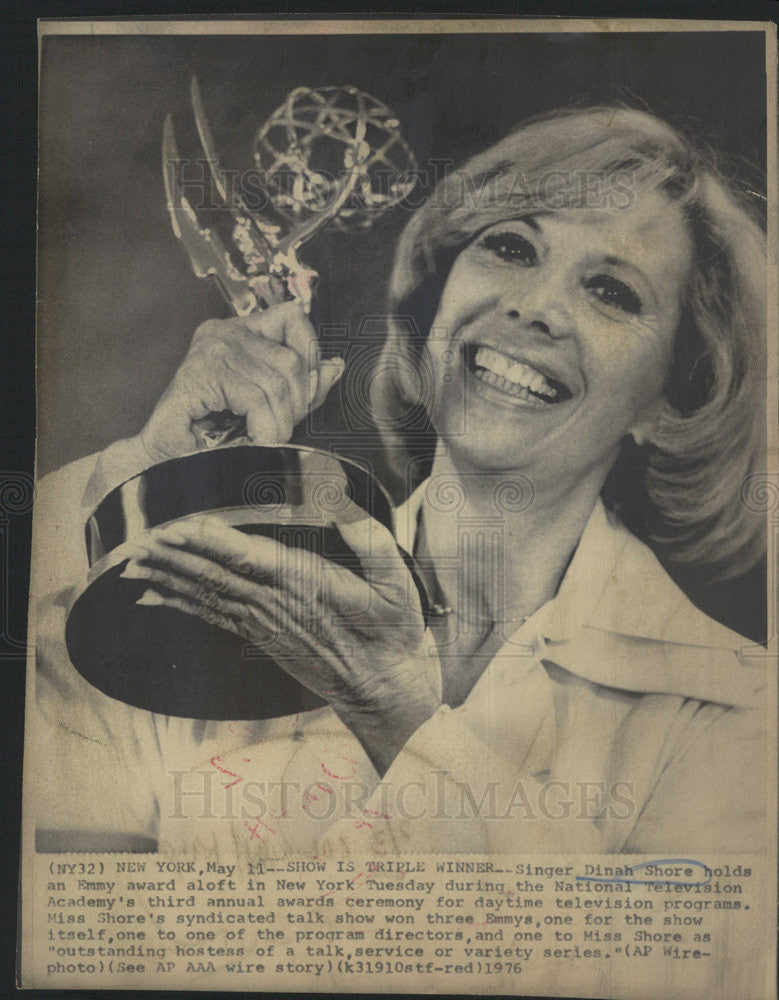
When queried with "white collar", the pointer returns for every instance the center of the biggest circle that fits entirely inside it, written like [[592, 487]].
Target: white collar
[[619, 620]]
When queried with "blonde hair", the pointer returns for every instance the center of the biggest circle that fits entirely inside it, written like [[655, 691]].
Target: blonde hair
[[709, 438]]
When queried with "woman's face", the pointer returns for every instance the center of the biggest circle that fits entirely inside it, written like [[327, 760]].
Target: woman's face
[[554, 335]]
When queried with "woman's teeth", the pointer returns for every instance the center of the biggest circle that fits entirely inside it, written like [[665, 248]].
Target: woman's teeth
[[513, 377]]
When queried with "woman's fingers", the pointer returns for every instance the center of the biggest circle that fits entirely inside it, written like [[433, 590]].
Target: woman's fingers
[[193, 394], [268, 413], [249, 555], [153, 598], [263, 628], [210, 615], [278, 369], [194, 577], [326, 376], [206, 549], [265, 367], [211, 564], [283, 374], [203, 547], [254, 391], [336, 633], [265, 613], [287, 324], [274, 618], [287, 328], [210, 585], [377, 550]]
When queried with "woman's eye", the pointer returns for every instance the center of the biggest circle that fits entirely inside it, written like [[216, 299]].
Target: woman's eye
[[614, 292], [511, 247]]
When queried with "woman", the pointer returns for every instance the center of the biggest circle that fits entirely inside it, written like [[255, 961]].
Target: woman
[[588, 312]]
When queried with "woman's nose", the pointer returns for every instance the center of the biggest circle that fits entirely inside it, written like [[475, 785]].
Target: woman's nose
[[539, 305]]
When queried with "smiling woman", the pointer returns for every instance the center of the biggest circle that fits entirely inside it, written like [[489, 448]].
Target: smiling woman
[[586, 297], [667, 251], [581, 357]]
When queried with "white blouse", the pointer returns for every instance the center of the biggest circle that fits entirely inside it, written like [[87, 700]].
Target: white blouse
[[618, 718]]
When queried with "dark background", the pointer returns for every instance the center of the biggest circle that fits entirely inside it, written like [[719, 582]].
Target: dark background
[[118, 302]]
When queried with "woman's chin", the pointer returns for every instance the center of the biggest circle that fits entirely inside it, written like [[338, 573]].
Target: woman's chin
[[495, 455]]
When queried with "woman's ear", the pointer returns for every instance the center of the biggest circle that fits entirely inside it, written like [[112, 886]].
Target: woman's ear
[[643, 431]]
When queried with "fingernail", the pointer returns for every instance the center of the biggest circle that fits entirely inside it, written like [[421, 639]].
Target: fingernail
[[134, 571], [151, 598], [133, 551], [209, 522], [313, 384], [338, 364], [170, 536]]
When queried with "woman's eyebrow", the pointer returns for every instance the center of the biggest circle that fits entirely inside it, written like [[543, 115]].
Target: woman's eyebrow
[[529, 220], [625, 262]]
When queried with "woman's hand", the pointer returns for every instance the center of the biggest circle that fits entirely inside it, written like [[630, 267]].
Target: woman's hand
[[264, 367], [357, 642]]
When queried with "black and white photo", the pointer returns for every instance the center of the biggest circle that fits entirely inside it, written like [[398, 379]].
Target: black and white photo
[[404, 490]]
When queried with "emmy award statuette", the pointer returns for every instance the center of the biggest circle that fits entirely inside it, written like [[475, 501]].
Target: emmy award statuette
[[158, 658]]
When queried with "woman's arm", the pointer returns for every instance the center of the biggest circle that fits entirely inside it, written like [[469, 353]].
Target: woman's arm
[[96, 761], [91, 752]]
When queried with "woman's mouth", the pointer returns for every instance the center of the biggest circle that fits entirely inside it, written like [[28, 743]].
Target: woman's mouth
[[515, 378]]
